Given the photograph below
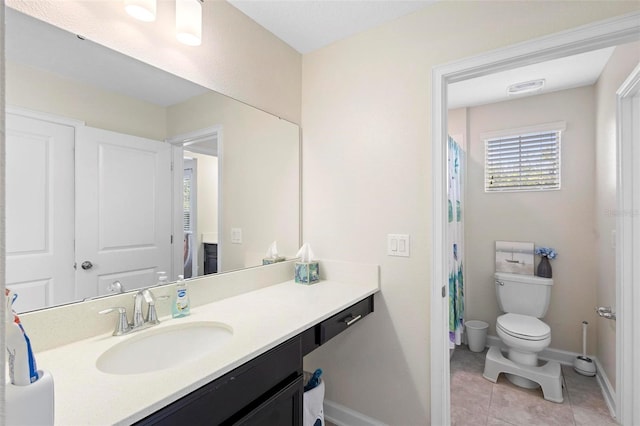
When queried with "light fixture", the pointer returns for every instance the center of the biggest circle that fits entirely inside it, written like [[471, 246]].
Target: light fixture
[[526, 87], [189, 22], [144, 10]]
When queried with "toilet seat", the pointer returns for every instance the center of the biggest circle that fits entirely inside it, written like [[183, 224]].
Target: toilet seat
[[523, 327]]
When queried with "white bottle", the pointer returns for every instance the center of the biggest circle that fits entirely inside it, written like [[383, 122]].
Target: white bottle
[[22, 368], [162, 278], [181, 306]]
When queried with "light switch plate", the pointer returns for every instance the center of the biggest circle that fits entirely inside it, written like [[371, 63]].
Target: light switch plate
[[398, 245], [236, 235]]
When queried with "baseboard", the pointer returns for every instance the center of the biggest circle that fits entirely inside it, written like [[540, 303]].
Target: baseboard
[[608, 392], [566, 358], [343, 416]]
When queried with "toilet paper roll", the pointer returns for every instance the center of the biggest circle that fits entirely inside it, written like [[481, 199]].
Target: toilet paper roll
[[31, 404]]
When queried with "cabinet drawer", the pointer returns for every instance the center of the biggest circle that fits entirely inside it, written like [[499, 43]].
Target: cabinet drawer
[[282, 409], [343, 320], [235, 393]]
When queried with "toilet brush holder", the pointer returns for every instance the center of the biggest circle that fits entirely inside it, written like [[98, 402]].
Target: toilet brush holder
[[583, 364]]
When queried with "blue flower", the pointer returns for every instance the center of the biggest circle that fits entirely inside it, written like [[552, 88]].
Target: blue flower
[[546, 252]]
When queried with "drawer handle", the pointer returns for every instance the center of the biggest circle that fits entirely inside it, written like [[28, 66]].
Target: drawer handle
[[351, 320]]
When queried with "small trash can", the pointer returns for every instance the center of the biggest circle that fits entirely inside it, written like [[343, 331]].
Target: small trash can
[[476, 335], [313, 400]]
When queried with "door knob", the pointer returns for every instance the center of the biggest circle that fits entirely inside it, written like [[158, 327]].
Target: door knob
[[86, 265]]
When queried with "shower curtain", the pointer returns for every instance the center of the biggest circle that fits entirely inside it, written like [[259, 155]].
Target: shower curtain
[[455, 236]]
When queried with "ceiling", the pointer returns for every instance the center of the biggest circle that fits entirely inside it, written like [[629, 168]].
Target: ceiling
[[307, 25], [559, 74]]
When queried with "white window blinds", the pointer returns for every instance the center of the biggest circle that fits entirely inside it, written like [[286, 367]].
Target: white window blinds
[[186, 201], [523, 162]]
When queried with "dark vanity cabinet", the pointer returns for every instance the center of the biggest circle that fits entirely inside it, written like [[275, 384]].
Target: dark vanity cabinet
[[265, 391], [210, 258], [267, 388]]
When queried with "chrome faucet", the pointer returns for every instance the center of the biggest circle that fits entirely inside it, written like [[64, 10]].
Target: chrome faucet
[[138, 319], [139, 322]]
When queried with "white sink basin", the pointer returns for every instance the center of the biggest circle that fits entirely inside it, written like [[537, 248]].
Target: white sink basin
[[166, 347]]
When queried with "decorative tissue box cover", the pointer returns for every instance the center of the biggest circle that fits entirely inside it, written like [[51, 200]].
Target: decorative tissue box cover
[[307, 272], [271, 260]]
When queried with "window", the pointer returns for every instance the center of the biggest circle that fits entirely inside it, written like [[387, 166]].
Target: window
[[522, 162], [187, 205]]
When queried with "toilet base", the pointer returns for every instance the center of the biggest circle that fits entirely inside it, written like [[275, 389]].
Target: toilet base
[[548, 376]]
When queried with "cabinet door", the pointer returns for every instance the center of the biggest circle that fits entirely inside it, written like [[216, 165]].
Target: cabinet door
[[282, 409]]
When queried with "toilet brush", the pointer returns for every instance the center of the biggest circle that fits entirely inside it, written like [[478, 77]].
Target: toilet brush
[[583, 364]]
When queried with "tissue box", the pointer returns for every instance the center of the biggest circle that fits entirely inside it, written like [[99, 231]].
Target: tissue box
[[307, 272], [271, 260]]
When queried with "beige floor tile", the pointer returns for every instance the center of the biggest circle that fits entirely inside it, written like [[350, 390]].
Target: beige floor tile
[[476, 401], [492, 421], [527, 407], [588, 417], [468, 416]]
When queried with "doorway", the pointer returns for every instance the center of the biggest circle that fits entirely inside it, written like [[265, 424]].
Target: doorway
[[582, 39], [197, 154]]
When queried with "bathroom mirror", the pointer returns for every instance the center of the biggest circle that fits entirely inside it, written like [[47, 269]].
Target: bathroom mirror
[[117, 170]]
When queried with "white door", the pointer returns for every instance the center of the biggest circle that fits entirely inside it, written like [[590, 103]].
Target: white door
[[123, 210], [39, 212]]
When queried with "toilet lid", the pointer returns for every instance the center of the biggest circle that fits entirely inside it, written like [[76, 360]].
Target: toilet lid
[[523, 326]]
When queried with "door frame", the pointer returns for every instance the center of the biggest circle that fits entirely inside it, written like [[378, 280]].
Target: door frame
[[628, 243], [180, 142], [581, 39]]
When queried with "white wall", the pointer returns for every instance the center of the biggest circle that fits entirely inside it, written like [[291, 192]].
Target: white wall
[[622, 62], [366, 129], [2, 209], [562, 219]]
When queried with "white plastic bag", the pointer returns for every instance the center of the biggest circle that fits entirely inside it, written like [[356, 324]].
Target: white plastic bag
[[313, 412]]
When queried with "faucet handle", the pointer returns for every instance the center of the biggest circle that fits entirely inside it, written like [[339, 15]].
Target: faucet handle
[[152, 316], [122, 326]]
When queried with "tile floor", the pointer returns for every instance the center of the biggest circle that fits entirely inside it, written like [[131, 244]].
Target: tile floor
[[477, 401]]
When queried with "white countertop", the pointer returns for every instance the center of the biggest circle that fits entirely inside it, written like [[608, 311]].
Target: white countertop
[[261, 320]]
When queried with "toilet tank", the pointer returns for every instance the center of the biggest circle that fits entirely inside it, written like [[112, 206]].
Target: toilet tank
[[523, 294]]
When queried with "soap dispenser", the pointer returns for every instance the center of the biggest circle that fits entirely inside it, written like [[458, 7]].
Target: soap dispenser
[[181, 302]]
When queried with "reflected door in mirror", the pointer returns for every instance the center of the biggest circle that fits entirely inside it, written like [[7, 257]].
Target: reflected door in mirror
[[39, 212], [123, 210]]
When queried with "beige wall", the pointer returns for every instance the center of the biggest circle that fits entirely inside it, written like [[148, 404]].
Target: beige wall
[[622, 62], [366, 128], [237, 57], [563, 219], [42, 91], [260, 175]]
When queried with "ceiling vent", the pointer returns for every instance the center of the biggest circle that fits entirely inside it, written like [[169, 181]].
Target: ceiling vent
[[526, 87]]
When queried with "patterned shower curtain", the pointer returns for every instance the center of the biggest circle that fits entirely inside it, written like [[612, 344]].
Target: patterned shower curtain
[[455, 236]]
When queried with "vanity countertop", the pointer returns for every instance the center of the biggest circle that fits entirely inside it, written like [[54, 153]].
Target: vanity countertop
[[261, 320]]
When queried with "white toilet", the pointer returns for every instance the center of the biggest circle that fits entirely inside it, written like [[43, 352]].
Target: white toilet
[[524, 299]]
